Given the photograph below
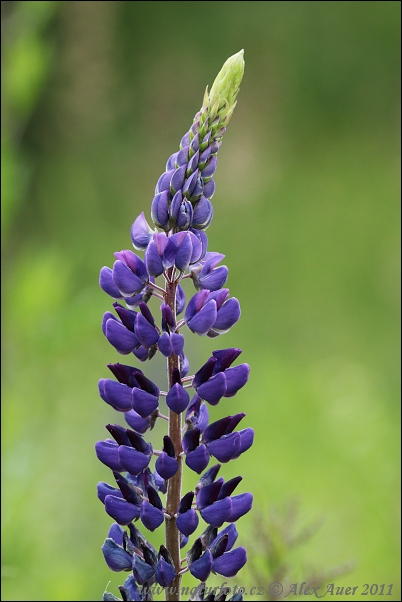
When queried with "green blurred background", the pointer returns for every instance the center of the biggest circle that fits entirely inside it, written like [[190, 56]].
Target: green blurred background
[[96, 96]]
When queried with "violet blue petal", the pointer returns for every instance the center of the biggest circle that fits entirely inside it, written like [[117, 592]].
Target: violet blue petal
[[209, 189], [241, 504], [187, 522], [120, 510], [213, 389], [210, 167], [139, 424], [160, 209], [120, 337], [115, 394], [236, 378], [165, 344], [197, 251], [126, 316], [145, 332], [196, 302], [191, 440], [142, 571], [133, 592], [116, 533], [183, 253], [220, 296], [218, 512], [177, 398], [180, 299], [183, 540], [104, 489], [228, 315], [225, 448], [204, 319], [153, 260], [185, 216], [203, 418], [177, 343], [132, 460], [108, 316], [225, 358], [215, 279], [230, 563], [198, 459], [216, 429], [108, 453], [232, 534], [166, 466], [175, 205], [204, 373], [208, 494], [143, 403], [171, 162], [203, 213], [189, 184], [182, 157], [203, 238], [141, 233], [193, 163], [107, 283], [165, 572], [141, 353], [151, 517], [127, 282], [201, 568], [228, 487], [116, 558], [177, 179], [185, 502], [164, 181], [246, 441]]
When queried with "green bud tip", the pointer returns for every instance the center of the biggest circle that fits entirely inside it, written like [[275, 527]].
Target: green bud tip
[[227, 83]]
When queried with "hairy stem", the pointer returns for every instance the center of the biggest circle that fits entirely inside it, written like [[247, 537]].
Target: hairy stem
[[174, 484]]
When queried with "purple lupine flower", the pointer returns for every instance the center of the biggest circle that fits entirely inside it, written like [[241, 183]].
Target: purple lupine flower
[[176, 249]]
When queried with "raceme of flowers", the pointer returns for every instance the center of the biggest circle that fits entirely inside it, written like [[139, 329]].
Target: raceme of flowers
[[145, 491]]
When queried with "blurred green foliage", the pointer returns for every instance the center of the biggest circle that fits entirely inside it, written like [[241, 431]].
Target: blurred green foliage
[[96, 96]]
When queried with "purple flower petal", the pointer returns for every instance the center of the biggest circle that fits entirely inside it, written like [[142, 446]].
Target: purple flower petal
[[116, 533], [204, 319], [215, 279], [209, 189], [228, 315], [218, 512], [115, 394], [116, 558], [236, 378], [241, 504], [104, 489], [107, 283], [229, 487], [165, 344], [145, 332], [184, 252], [213, 389], [144, 403], [208, 493], [139, 424], [142, 571], [195, 304], [177, 179], [141, 233], [177, 398], [180, 299], [160, 209], [133, 460], [198, 459], [127, 282], [246, 441], [120, 510], [151, 517], [166, 466], [232, 534], [225, 448], [153, 260], [230, 563], [165, 572], [203, 214], [177, 343], [122, 339], [164, 181], [201, 568], [187, 522], [108, 453]]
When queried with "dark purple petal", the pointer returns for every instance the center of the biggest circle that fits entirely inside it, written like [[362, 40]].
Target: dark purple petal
[[177, 399], [119, 434], [246, 441], [146, 312], [132, 589], [225, 358], [204, 319], [127, 282], [203, 238], [187, 522], [225, 448], [234, 421], [215, 279], [241, 504], [141, 353], [191, 440], [142, 571], [153, 260], [195, 304], [208, 493], [107, 283], [208, 477], [228, 315], [122, 339], [108, 453], [177, 179], [146, 333], [143, 403], [229, 487], [116, 533], [151, 517], [146, 384], [164, 181], [120, 510], [185, 502], [232, 534], [125, 374], [230, 563], [236, 378], [160, 209], [166, 466], [175, 205], [104, 489], [201, 568], [165, 572], [203, 214], [183, 254], [141, 233], [133, 460], [177, 343], [218, 513], [213, 389], [134, 263], [219, 296], [198, 459], [216, 429], [168, 321], [209, 189], [107, 316], [197, 252], [185, 216], [204, 373], [139, 424], [165, 344], [115, 394], [180, 299], [126, 316], [183, 540], [116, 558]]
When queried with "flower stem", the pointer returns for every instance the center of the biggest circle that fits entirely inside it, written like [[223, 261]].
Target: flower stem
[[174, 484]]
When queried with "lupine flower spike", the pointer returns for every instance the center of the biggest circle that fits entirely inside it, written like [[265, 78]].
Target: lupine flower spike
[[145, 489]]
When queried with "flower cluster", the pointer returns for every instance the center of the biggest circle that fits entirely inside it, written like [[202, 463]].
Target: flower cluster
[[182, 209]]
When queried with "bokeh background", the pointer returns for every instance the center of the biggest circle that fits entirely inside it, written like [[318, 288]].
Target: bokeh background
[[96, 96]]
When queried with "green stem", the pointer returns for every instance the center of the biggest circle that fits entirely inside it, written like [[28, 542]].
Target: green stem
[[174, 484]]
